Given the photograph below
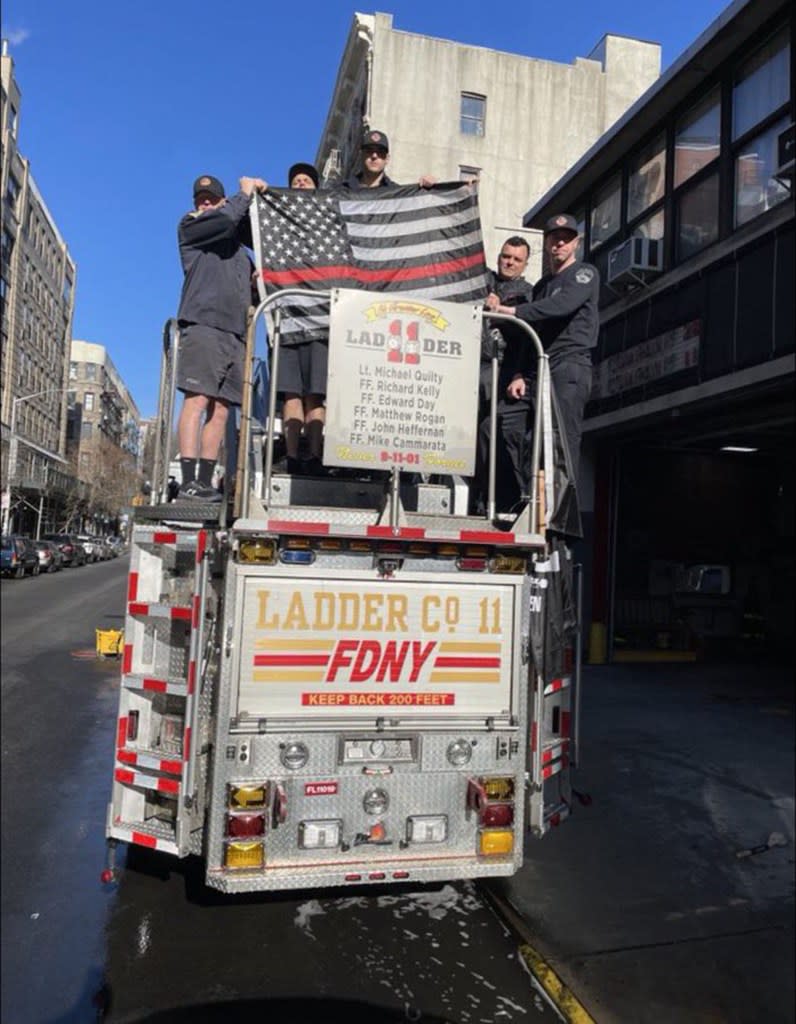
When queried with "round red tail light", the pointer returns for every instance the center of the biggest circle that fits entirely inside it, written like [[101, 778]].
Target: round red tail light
[[495, 815]]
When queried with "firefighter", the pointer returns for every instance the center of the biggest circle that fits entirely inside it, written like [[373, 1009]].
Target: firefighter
[[216, 294], [564, 312], [375, 155]]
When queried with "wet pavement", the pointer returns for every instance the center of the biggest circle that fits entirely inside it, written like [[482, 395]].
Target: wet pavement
[[159, 945], [639, 902]]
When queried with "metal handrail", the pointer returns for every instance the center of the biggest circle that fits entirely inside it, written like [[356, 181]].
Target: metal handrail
[[542, 399], [542, 393], [168, 377]]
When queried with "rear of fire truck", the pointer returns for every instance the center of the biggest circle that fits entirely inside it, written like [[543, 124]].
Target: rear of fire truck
[[337, 686]]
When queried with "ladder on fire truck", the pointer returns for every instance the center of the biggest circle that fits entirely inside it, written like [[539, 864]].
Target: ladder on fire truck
[[172, 618]]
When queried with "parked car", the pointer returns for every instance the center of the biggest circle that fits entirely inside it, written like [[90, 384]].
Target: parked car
[[19, 556], [102, 549], [50, 557], [70, 547], [91, 547]]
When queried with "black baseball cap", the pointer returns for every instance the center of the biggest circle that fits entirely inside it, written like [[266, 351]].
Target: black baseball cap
[[300, 168], [207, 183], [561, 222], [374, 138]]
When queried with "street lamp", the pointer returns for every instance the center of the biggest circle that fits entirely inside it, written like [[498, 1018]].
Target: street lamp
[[13, 445]]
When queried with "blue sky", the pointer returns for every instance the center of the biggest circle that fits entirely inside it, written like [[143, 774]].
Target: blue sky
[[124, 104]]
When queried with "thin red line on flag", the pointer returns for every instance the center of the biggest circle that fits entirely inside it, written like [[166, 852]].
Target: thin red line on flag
[[306, 274]]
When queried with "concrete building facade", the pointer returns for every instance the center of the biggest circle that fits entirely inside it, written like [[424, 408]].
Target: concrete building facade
[[103, 435], [37, 286], [687, 468], [456, 111]]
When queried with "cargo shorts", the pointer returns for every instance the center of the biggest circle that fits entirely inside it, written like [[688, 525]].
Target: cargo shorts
[[210, 362]]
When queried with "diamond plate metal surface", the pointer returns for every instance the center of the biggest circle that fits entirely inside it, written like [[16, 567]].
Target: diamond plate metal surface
[[327, 789]]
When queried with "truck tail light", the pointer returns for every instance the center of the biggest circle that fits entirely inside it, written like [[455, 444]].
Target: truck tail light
[[497, 815], [471, 564], [241, 855], [240, 826], [247, 796], [255, 550], [499, 788], [495, 842], [509, 563]]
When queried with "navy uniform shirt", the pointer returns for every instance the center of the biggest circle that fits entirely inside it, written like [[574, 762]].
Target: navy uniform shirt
[[563, 312], [217, 290], [355, 183]]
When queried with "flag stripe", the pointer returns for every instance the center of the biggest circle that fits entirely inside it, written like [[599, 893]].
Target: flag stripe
[[305, 275], [400, 228], [422, 199], [424, 248], [426, 242]]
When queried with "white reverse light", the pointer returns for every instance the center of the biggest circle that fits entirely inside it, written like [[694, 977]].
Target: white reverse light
[[427, 828], [319, 835]]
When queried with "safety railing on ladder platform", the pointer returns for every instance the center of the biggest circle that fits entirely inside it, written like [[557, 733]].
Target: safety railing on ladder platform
[[165, 416]]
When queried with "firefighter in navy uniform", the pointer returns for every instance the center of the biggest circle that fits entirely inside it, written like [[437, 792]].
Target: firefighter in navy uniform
[[509, 343], [375, 154], [564, 313]]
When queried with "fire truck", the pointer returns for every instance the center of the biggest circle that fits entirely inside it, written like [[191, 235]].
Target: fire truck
[[348, 679]]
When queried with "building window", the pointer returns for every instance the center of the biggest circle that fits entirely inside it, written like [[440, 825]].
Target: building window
[[756, 190], [12, 192], [85, 431], [91, 371], [605, 212], [73, 371], [88, 401], [651, 227], [698, 217], [472, 116], [762, 85], [697, 138], [580, 218], [7, 246], [647, 178]]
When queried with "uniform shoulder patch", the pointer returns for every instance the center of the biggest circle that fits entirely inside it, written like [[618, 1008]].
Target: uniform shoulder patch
[[584, 275]]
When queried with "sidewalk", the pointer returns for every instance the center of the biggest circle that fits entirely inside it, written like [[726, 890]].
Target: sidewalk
[[639, 901]]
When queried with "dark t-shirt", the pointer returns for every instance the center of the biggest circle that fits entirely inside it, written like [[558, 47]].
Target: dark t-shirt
[[564, 313]]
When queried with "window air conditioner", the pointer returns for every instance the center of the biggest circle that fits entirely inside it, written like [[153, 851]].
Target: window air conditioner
[[785, 156], [635, 260]]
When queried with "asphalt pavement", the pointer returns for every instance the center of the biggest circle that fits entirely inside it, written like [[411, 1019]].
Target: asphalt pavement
[[641, 903]]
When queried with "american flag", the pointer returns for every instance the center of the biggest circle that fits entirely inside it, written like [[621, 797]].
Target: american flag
[[426, 242]]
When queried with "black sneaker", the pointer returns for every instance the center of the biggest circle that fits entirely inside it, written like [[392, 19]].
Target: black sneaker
[[294, 466], [314, 467], [194, 491]]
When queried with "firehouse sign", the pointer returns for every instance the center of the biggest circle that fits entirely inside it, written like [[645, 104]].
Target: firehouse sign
[[403, 383], [338, 644]]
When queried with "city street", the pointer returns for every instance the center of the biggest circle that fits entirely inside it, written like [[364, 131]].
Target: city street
[[668, 898], [159, 940]]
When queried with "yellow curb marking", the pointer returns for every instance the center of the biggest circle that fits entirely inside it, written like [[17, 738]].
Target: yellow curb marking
[[563, 998]]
